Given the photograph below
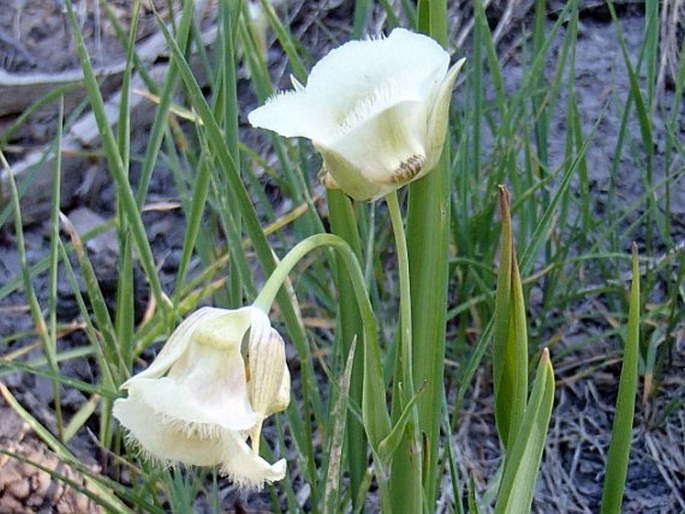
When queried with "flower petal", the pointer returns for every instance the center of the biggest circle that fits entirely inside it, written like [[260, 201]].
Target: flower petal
[[166, 442], [268, 369], [175, 346], [386, 150], [297, 85], [294, 114], [439, 116], [353, 83], [198, 400], [282, 399], [200, 413], [206, 381], [346, 176], [225, 329], [347, 74], [246, 468]]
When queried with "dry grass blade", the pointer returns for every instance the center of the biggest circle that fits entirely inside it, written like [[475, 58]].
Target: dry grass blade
[[671, 36]]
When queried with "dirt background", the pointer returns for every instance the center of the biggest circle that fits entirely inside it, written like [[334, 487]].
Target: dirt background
[[37, 52]]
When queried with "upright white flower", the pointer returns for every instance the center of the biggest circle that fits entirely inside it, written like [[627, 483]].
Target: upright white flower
[[377, 110], [215, 380]]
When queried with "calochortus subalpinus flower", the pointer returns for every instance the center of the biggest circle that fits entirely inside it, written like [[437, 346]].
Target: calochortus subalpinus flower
[[376, 110], [220, 374]]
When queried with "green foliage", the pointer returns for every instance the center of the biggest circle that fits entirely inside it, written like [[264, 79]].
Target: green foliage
[[522, 462], [510, 337], [622, 431]]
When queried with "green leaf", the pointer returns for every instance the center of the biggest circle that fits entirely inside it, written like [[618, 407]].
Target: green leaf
[[349, 326], [473, 502], [622, 431], [427, 231], [523, 461], [510, 338], [388, 445]]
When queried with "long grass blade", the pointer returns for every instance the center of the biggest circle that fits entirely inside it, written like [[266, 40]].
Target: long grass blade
[[622, 431], [47, 344]]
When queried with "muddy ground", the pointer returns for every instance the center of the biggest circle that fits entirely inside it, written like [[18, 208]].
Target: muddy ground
[[34, 39]]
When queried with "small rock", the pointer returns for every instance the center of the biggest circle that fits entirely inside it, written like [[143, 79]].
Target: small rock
[[86, 220]]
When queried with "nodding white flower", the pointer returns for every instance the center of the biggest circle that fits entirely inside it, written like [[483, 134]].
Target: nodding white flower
[[220, 374], [377, 110]]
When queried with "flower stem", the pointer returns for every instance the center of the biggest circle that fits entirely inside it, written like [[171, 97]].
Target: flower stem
[[374, 410], [406, 482], [267, 295], [405, 295]]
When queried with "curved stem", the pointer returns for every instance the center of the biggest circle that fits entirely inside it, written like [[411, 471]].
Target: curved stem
[[273, 284], [374, 405]]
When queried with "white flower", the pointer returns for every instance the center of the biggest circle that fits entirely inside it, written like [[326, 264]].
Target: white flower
[[377, 110], [208, 390]]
